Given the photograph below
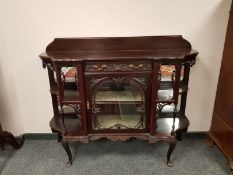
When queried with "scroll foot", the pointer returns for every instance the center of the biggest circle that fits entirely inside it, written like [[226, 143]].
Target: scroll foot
[[67, 149], [7, 137], [170, 150], [210, 142]]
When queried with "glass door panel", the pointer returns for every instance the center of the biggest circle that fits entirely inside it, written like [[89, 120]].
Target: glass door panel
[[118, 103]]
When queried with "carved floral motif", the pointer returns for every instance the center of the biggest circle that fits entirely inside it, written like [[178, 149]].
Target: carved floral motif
[[110, 67]]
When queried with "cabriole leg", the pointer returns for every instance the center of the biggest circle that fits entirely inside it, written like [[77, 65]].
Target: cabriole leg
[[170, 150], [67, 149], [59, 135]]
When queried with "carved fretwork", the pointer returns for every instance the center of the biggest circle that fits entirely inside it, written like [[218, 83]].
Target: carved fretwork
[[159, 79], [141, 108], [95, 109], [160, 107], [49, 66], [149, 138], [142, 81], [111, 67], [118, 126], [76, 109], [95, 81]]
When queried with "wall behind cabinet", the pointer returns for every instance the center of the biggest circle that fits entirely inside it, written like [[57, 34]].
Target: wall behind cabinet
[[27, 26]]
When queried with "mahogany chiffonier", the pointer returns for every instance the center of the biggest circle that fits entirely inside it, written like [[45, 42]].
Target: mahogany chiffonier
[[119, 88]]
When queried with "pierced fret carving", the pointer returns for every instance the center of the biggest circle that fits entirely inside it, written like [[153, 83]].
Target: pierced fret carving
[[117, 126], [95, 109], [76, 109], [142, 81], [141, 108], [160, 107]]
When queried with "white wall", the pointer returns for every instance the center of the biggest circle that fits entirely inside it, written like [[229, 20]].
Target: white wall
[[27, 26]]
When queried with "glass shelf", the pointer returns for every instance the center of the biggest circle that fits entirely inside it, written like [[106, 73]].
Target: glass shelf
[[73, 126], [118, 96], [165, 126]]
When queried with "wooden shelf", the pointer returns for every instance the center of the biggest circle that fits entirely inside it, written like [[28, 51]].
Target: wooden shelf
[[167, 85], [118, 96], [73, 126], [164, 125]]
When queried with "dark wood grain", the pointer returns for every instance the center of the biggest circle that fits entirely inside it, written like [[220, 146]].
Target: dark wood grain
[[117, 48]]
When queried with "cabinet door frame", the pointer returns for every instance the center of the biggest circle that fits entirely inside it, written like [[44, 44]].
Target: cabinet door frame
[[89, 80]]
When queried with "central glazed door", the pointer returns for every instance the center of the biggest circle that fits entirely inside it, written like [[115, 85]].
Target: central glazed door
[[118, 102]]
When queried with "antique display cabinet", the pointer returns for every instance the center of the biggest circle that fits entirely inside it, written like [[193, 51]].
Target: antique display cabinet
[[119, 88]]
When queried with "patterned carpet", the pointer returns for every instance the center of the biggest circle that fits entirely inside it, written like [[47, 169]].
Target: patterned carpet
[[41, 157]]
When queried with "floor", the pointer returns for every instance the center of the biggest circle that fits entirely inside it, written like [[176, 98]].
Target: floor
[[41, 157]]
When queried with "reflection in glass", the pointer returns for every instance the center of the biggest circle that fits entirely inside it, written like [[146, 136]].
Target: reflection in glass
[[166, 82], [69, 80], [118, 103], [164, 95]]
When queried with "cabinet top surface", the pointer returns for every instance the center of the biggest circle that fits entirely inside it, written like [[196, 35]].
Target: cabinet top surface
[[113, 48]]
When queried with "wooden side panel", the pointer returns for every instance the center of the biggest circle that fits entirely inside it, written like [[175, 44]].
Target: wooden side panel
[[222, 122], [224, 96], [223, 133]]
